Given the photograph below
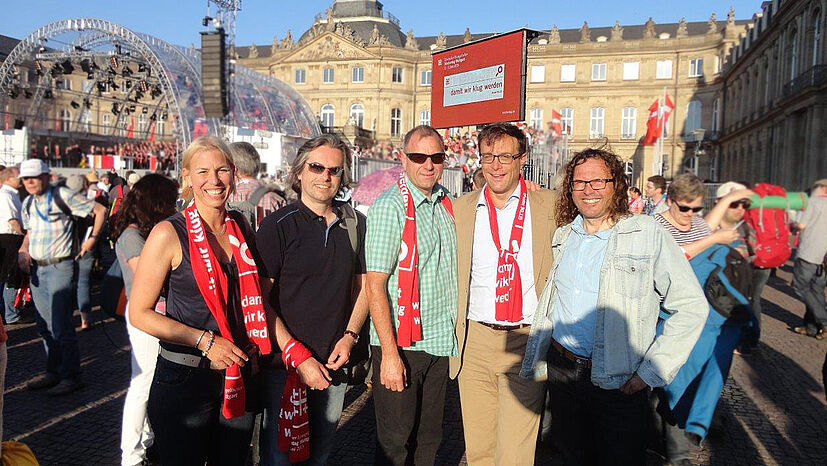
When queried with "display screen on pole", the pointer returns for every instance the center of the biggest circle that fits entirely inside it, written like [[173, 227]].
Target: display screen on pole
[[480, 82]]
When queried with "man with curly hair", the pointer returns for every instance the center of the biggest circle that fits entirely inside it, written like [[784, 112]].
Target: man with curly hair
[[594, 328]]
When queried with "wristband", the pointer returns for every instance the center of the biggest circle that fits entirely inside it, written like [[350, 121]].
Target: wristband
[[353, 334], [294, 354], [198, 341]]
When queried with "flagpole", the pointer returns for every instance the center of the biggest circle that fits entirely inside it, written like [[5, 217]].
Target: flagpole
[[661, 112]]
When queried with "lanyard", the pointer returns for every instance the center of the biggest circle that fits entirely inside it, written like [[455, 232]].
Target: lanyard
[[44, 217]]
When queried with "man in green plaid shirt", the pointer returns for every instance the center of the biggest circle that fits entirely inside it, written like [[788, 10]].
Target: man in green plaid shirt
[[409, 383]]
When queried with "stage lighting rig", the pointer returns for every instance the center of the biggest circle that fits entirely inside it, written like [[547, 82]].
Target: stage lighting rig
[[126, 71], [115, 109], [67, 66], [38, 68], [48, 94], [114, 62], [75, 104]]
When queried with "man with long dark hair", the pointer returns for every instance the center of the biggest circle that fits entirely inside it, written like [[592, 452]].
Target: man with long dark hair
[[594, 328]]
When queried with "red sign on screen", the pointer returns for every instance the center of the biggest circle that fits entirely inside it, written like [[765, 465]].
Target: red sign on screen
[[479, 83]]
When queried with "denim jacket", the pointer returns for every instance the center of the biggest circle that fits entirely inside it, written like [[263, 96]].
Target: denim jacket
[[643, 265]]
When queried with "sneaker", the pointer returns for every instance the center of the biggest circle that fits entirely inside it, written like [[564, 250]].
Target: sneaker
[[45, 381], [22, 321], [65, 387]]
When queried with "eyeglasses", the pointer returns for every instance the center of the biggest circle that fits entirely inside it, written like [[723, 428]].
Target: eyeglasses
[[686, 208], [318, 169], [597, 184], [504, 159], [416, 157], [743, 203]]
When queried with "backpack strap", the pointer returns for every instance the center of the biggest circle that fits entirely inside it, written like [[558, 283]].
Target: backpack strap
[[257, 195], [351, 221], [61, 204]]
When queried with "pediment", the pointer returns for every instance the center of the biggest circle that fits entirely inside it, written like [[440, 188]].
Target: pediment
[[328, 46]]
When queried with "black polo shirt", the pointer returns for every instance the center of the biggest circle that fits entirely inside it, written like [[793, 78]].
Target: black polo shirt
[[313, 265]]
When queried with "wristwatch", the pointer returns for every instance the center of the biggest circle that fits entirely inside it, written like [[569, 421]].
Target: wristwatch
[[353, 334]]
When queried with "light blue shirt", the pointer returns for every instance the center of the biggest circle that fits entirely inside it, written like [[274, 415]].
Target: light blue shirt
[[577, 283]]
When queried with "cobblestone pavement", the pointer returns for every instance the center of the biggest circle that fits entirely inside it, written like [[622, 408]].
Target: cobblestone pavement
[[772, 410]]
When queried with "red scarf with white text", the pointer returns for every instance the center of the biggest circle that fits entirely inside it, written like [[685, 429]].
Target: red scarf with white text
[[509, 293], [293, 423], [409, 329], [212, 282]]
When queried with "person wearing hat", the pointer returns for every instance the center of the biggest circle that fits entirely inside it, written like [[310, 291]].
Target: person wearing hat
[[47, 254]]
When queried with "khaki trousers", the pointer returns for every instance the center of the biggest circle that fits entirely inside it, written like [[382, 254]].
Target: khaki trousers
[[500, 409]]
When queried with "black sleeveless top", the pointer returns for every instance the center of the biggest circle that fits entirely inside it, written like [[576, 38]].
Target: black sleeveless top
[[185, 303]]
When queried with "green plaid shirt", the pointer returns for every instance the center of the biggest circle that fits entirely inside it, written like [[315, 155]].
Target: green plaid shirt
[[437, 258]]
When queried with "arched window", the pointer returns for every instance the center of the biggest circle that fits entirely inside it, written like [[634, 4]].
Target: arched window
[[716, 114], [106, 121], [693, 117], [396, 122], [86, 121], [142, 124], [328, 115], [597, 122], [357, 114], [425, 117], [65, 120], [567, 119], [537, 118], [793, 53]]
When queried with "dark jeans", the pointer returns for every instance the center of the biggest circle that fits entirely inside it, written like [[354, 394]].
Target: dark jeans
[[759, 279], [409, 423], [184, 410], [591, 425], [809, 281]]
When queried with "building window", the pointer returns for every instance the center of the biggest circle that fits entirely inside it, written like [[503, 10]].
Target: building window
[[693, 117], [142, 126], [696, 67], [106, 121], [537, 118], [425, 117], [631, 71], [86, 121], [628, 125], [396, 122], [793, 53], [358, 74], [396, 74], [598, 71], [716, 111], [567, 120], [159, 127], [357, 114], [664, 70], [425, 77], [538, 73], [63, 84], [596, 122], [328, 75], [567, 73], [65, 120], [328, 115], [300, 76], [816, 36]]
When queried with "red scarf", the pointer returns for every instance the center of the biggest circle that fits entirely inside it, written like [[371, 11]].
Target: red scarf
[[294, 426], [509, 293], [409, 330], [212, 282]]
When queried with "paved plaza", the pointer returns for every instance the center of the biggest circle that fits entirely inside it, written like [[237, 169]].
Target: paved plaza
[[772, 410]]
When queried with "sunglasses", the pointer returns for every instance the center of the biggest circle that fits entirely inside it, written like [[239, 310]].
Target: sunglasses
[[318, 169], [743, 203], [686, 208], [436, 158]]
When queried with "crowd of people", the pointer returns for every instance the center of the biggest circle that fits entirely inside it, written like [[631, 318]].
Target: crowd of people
[[562, 314], [75, 155]]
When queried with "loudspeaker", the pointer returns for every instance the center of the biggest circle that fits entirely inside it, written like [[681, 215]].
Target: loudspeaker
[[19, 124], [214, 73]]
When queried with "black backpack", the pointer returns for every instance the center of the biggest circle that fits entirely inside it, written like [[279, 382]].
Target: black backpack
[[80, 225]]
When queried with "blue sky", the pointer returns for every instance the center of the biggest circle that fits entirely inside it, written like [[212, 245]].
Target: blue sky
[[179, 21]]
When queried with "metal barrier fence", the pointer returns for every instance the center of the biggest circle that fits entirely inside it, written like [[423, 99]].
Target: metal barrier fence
[[452, 177], [545, 161]]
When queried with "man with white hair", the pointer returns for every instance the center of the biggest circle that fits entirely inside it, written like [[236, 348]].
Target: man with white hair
[[809, 276]]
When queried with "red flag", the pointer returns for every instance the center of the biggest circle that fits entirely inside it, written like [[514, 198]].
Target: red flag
[[653, 129], [556, 123], [665, 112], [130, 133]]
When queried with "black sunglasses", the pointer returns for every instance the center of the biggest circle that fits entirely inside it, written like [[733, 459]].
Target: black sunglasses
[[686, 208], [743, 203], [416, 157], [318, 169]]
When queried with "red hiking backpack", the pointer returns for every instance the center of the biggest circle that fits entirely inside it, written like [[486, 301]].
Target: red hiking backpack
[[772, 229]]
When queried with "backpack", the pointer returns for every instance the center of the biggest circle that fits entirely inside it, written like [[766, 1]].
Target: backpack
[[726, 278], [116, 204], [772, 229], [80, 225], [249, 207]]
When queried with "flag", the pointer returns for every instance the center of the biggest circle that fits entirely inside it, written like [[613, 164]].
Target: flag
[[653, 129], [665, 113], [130, 133], [556, 123]]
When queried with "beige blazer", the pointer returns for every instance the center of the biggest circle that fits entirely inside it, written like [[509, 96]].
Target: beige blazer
[[543, 225]]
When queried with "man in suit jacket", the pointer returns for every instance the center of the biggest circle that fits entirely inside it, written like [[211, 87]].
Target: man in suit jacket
[[503, 259]]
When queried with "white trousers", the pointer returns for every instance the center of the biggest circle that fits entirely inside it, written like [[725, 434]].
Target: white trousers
[[136, 433]]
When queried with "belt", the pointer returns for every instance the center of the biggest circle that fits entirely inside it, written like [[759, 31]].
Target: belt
[[504, 328], [569, 355], [184, 359], [51, 261]]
